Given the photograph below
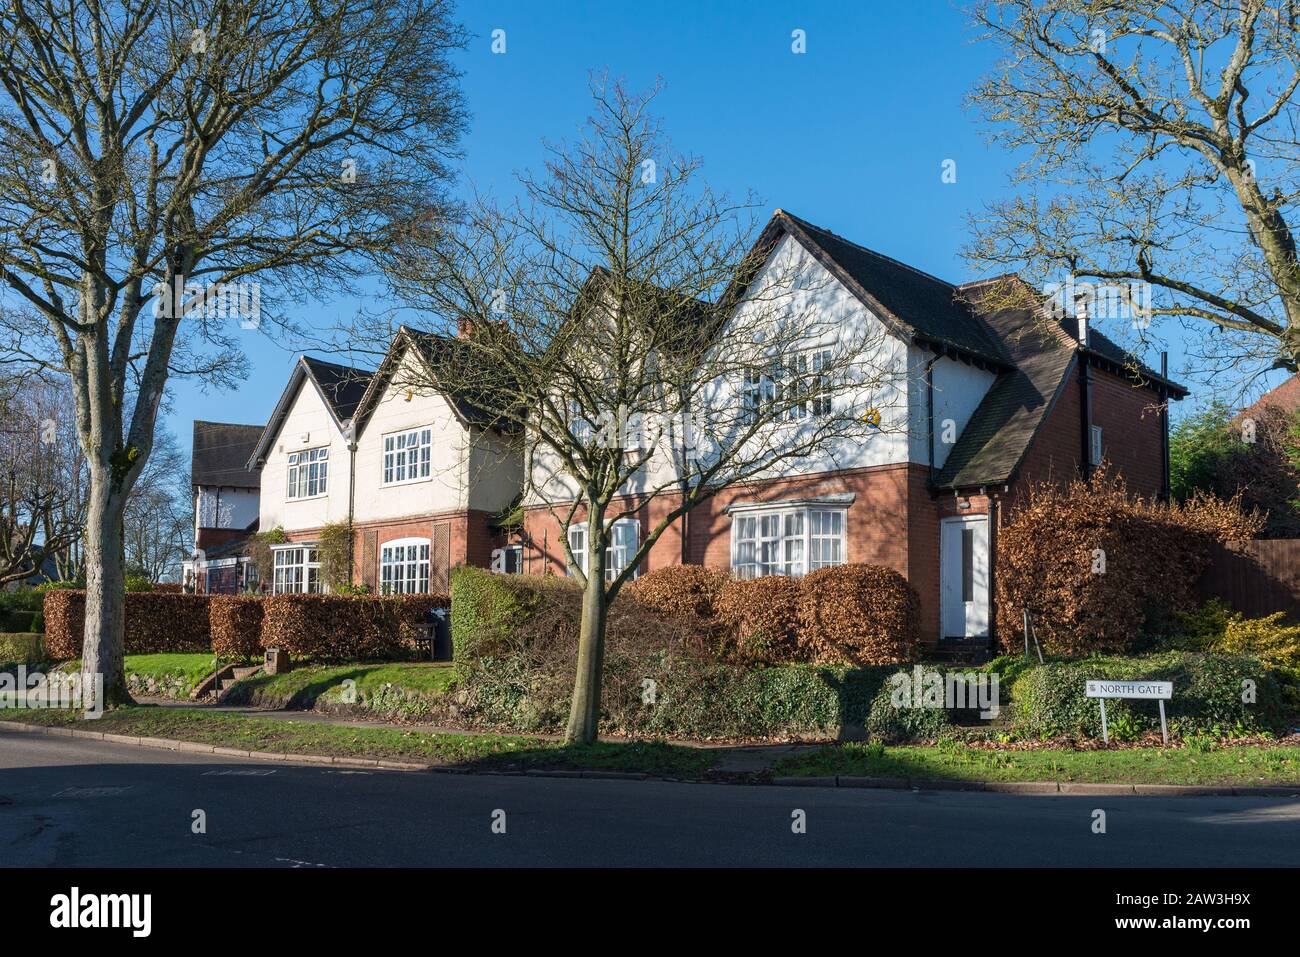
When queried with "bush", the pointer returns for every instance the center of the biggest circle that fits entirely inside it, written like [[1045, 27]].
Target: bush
[[702, 700], [1274, 643], [516, 644], [680, 590], [22, 649], [1048, 700], [65, 614], [155, 622], [336, 628], [235, 622], [860, 615], [1080, 559], [761, 618]]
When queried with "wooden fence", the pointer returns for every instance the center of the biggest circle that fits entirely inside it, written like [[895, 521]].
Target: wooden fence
[[1262, 578]]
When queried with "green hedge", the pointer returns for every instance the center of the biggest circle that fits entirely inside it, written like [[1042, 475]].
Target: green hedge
[[703, 700], [22, 649], [1048, 700]]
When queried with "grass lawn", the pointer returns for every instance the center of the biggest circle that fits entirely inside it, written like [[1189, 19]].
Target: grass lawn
[[480, 751], [1221, 765], [193, 667], [301, 688]]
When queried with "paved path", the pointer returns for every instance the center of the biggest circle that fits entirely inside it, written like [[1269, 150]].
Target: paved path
[[71, 802]]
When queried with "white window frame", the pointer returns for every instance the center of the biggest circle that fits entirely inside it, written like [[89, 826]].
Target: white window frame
[[616, 556], [297, 569], [1094, 445], [404, 567], [302, 463], [766, 386], [783, 541], [407, 453]]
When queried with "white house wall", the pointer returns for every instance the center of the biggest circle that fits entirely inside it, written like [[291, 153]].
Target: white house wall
[[958, 390], [308, 425], [226, 507], [399, 409]]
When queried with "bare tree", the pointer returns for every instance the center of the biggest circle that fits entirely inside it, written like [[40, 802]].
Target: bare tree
[[194, 150], [1164, 163], [158, 523], [621, 317], [40, 497]]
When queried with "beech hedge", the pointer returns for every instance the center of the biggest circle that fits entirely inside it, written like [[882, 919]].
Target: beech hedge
[[1097, 567], [155, 622], [859, 615], [338, 628], [236, 625]]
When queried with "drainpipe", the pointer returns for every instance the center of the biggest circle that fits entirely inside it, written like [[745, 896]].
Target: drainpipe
[[1164, 429], [929, 415], [993, 554], [351, 436]]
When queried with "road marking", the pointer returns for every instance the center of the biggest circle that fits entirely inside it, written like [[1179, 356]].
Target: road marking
[[347, 772], [91, 792], [297, 864], [242, 772]]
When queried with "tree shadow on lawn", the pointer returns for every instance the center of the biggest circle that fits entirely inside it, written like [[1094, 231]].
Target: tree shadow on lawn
[[250, 690]]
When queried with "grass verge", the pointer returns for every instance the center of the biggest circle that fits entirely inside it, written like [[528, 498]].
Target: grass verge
[[171, 675], [405, 690], [1242, 765], [473, 751]]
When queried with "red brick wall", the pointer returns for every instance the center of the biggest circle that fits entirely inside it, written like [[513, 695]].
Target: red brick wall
[[1129, 417], [893, 521], [1131, 431], [469, 532]]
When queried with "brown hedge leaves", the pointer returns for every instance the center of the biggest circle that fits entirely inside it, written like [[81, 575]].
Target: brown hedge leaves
[[1094, 564]]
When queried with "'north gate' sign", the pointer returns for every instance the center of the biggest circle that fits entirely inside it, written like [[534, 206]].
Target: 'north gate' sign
[[1101, 689]]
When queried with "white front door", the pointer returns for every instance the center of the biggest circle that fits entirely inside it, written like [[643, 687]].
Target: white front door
[[964, 577]]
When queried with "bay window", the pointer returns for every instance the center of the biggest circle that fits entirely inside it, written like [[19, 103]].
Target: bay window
[[791, 541], [624, 541]]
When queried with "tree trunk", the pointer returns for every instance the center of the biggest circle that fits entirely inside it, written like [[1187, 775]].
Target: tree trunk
[[105, 638], [584, 715]]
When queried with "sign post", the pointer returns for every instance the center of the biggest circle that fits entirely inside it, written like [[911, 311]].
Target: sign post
[[1161, 691]]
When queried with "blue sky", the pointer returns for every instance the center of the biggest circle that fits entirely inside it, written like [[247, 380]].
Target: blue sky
[[850, 135]]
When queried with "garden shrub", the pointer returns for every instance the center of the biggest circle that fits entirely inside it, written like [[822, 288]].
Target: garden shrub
[[336, 628], [22, 649], [761, 619], [1048, 700], [155, 622], [701, 700], [1270, 639], [236, 625], [859, 615], [679, 590], [1080, 559]]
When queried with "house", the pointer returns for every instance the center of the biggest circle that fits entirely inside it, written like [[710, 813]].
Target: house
[[996, 394], [225, 507], [418, 476]]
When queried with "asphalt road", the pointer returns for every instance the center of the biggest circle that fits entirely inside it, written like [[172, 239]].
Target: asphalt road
[[59, 797]]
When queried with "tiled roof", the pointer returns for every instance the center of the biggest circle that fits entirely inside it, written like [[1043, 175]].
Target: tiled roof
[[220, 453], [926, 306], [343, 386]]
